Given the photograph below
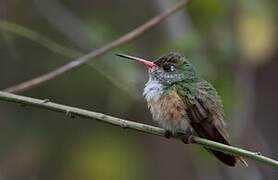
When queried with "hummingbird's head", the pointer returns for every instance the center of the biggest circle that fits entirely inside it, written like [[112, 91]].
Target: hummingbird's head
[[168, 69], [172, 68]]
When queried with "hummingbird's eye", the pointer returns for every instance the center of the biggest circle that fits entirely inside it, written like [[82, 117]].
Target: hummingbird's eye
[[168, 67]]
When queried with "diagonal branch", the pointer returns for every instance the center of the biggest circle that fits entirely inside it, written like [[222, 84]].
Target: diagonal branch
[[38, 38], [57, 48], [98, 52], [73, 111]]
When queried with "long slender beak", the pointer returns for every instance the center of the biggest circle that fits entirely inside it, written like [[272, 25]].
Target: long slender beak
[[147, 63]]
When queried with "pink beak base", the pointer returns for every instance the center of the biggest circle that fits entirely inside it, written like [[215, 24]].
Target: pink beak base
[[147, 63]]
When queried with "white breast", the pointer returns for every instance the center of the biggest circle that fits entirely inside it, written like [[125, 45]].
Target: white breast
[[153, 90], [153, 93]]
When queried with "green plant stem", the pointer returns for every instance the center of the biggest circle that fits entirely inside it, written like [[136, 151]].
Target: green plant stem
[[257, 156], [38, 38], [73, 111], [54, 47]]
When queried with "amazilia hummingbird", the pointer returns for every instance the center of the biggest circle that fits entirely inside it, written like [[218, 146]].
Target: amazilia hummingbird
[[180, 101]]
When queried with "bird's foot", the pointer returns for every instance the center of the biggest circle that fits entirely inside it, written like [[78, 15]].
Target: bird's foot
[[185, 136], [168, 134]]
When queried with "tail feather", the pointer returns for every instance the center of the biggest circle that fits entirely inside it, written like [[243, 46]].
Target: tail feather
[[227, 159], [208, 126], [211, 132]]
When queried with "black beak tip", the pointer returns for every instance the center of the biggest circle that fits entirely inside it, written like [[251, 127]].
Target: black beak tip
[[120, 55], [125, 56]]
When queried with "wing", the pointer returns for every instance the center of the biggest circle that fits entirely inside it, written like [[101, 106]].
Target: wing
[[205, 113], [207, 98]]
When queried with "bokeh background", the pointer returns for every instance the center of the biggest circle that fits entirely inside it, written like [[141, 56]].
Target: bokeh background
[[232, 43]]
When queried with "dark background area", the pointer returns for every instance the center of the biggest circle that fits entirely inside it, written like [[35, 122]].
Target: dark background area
[[233, 44]]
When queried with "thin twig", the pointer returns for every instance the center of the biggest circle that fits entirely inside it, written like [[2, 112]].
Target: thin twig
[[73, 111], [98, 52], [53, 46], [38, 38]]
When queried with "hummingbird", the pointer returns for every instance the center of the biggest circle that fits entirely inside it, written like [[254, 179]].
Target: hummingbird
[[180, 101]]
